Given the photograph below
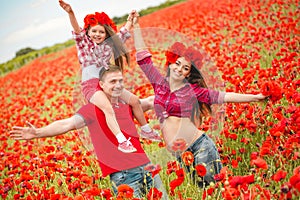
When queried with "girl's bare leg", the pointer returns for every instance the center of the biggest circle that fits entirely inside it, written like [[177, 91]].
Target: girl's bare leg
[[137, 110], [101, 101]]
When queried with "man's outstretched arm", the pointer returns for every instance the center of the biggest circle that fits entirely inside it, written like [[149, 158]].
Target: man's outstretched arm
[[55, 128]]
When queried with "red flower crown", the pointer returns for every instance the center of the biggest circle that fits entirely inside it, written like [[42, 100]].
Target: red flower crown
[[98, 18], [180, 50]]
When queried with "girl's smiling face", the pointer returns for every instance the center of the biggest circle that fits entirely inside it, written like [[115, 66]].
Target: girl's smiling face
[[97, 33], [180, 69]]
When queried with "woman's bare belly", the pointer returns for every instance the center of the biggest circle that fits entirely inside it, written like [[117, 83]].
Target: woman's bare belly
[[174, 128]]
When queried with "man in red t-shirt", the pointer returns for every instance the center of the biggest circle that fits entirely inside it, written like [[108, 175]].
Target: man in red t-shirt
[[123, 168]]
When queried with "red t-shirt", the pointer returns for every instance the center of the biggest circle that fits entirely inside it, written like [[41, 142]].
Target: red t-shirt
[[105, 143]]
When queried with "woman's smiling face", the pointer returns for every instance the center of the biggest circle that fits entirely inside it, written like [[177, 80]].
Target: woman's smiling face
[[180, 69]]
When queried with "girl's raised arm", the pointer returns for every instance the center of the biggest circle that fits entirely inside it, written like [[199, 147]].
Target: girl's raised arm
[[73, 20]]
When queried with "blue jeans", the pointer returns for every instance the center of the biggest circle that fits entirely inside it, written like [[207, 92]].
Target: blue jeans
[[139, 180], [206, 153]]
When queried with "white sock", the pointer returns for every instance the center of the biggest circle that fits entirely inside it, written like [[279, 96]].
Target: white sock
[[120, 137], [146, 128]]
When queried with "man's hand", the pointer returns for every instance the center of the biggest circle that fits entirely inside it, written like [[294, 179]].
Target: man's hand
[[23, 133]]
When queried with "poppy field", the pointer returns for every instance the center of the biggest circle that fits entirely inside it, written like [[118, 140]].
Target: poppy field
[[254, 46]]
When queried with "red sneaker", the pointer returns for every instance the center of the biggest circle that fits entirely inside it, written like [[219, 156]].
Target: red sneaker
[[152, 135], [126, 147]]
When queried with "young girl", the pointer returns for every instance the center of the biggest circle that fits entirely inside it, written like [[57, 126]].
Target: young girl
[[177, 98], [97, 44]]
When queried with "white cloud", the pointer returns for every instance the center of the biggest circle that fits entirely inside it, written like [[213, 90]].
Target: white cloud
[[37, 3], [36, 30], [37, 24]]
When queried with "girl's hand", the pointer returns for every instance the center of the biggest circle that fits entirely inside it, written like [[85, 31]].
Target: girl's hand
[[23, 133], [65, 6]]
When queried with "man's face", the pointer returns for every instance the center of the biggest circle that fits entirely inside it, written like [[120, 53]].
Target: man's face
[[112, 84]]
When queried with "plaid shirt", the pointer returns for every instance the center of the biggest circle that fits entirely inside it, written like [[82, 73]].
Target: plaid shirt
[[90, 53], [178, 103]]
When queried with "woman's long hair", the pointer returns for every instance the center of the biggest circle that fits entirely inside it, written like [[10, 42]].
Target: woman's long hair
[[201, 109]]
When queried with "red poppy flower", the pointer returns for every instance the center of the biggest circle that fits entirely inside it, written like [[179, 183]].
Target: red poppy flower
[[260, 163], [180, 50], [233, 136], [86, 179], [79, 197], [98, 18], [154, 194], [172, 166], [124, 191], [179, 145], [295, 181], [178, 181], [194, 56], [174, 52], [106, 193], [104, 19], [201, 170], [219, 177], [171, 58], [230, 193], [223, 174], [154, 169], [90, 20], [296, 170], [272, 89], [234, 163], [187, 158], [280, 174], [238, 180]]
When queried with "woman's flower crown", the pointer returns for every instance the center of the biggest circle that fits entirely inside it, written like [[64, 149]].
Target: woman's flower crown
[[98, 18], [180, 50]]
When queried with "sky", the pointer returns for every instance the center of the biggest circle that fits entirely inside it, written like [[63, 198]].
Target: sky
[[40, 23]]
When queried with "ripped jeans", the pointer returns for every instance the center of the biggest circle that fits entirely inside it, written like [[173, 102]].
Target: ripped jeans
[[206, 153], [139, 179]]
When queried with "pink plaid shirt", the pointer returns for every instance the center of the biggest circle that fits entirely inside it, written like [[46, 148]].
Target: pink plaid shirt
[[92, 54], [178, 103]]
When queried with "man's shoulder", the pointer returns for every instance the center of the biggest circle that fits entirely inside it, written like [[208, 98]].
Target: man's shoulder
[[86, 108], [90, 108]]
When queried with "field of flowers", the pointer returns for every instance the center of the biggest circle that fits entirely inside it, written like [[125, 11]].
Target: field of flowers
[[254, 45]]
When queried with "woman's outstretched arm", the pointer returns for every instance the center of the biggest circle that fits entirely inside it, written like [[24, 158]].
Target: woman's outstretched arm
[[138, 38], [231, 97]]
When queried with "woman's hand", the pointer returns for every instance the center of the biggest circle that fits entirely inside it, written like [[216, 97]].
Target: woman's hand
[[135, 18], [260, 97], [232, 97], [131, 15], [23, 133]]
